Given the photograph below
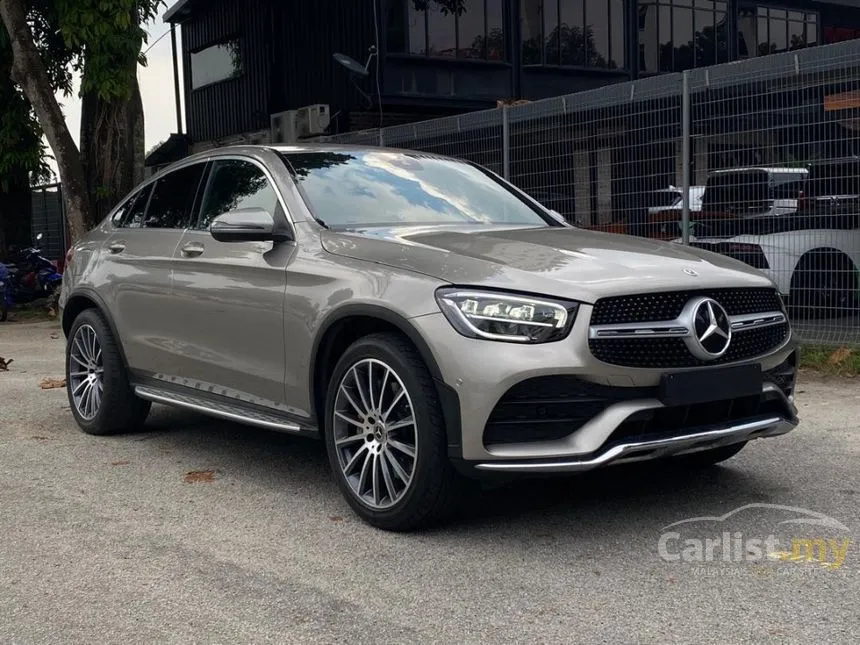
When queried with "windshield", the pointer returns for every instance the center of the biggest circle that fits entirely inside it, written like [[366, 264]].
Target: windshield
[[385, 188]]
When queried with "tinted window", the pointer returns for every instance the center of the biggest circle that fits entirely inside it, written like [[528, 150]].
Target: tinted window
[[735, 190], [376, 188], [120, 216], [235, 184], [173, 198], [137, 209], [663, 198], [216, 63], [835, 179]]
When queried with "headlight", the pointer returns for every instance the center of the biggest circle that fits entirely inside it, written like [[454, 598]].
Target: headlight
[[506, 317]]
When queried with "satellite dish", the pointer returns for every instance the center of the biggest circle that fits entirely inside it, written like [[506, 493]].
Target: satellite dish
[[351, 64]]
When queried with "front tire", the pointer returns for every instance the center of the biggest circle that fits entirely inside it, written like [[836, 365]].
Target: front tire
[[386, 437], [100, 396]]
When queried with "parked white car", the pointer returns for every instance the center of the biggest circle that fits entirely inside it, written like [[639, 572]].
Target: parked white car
[[814, 267]]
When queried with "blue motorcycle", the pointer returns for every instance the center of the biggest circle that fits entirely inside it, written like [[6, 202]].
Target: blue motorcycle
[[30, 276]]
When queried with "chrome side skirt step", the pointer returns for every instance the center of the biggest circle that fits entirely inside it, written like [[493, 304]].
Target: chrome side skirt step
[[222, 410]]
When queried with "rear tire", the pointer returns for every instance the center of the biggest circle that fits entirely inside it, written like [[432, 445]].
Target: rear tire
[[100, 396], [707, 458], [823, 285], [369, 436]]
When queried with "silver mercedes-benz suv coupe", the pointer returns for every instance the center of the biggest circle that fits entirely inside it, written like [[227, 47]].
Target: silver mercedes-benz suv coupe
[[426, 319]]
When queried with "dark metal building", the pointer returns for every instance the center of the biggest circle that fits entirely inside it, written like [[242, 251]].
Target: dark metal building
[[246, 60]]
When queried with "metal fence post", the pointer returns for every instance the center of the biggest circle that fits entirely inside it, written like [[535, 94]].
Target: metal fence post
[[381, 138], [685, 160], [506, 144]]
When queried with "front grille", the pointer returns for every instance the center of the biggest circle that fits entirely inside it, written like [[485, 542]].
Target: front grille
[[672, 352], [551, 407], [652, 307], [678, 421]]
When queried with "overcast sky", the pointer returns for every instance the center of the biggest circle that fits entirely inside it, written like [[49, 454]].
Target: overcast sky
[[156, 88]]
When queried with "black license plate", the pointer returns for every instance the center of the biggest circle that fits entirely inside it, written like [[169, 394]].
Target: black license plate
[[701, 386]]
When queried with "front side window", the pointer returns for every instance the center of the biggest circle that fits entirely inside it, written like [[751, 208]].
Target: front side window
[[215, 64], [173, 198], [382, 188], [442, 28], [579, 33], [235, 184], [137, 209]]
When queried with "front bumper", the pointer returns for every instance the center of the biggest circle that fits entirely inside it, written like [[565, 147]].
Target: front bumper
[[714, 437], [481, 373]]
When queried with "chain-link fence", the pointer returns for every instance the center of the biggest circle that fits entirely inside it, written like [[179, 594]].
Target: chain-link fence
[[758, 160]]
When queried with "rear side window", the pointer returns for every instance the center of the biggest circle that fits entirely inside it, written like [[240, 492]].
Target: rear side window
[[235, 184], [173, 198]]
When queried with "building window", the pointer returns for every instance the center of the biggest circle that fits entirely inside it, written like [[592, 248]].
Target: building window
[[447, 28], [769, 30], [579, 33], [675, 35], [214, 64]]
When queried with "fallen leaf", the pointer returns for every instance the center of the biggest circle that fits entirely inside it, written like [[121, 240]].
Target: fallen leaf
[[199, 476], [839, 356], [119, 463], [38, 438], [5, 363], [336, 518], [55, 336], [52, 383], [52, 313]]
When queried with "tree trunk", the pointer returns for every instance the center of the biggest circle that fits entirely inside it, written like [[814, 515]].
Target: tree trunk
[[111, 148], [29, 73]]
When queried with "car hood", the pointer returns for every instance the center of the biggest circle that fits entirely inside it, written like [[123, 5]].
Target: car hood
[[565, 262]]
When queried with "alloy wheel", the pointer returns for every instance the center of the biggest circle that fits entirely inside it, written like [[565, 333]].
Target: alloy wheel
[[375, 433], [86, 372]]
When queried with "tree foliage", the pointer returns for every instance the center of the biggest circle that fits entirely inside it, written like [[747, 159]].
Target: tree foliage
[[99, 39]]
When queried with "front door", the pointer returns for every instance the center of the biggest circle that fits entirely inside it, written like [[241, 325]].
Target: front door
[[230, 295]]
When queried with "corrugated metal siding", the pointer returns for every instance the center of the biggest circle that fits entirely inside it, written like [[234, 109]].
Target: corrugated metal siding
[[240, 104], [310, 32]]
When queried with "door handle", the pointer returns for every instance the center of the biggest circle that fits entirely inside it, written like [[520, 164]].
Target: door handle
[[192, 249], [116, 247]]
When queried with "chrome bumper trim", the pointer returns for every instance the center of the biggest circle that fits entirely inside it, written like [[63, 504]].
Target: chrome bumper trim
[[647, 450]]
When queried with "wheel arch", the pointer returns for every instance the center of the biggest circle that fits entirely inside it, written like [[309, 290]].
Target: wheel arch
[[819, 253], [80, 301], [351, 322]]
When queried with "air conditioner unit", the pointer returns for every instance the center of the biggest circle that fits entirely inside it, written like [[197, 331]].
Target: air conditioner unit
[[283, 127], [312, 120]]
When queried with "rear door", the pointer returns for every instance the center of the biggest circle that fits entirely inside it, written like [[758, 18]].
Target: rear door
[[140, 255], [229, 296]]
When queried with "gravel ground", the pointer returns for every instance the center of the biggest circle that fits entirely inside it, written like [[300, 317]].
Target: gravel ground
[[102, 540]]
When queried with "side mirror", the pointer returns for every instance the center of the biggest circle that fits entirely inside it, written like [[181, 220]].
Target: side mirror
[[244, 225]]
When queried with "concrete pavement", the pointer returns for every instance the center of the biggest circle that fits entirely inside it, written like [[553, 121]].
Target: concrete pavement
[[102, 540]]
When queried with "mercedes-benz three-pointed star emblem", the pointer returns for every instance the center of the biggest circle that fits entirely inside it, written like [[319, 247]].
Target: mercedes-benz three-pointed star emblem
[[712, 329]]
